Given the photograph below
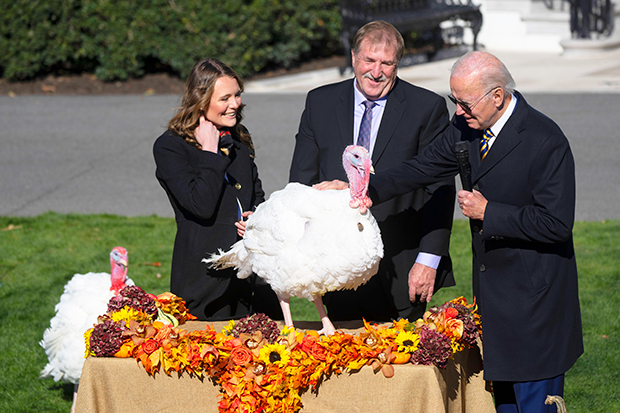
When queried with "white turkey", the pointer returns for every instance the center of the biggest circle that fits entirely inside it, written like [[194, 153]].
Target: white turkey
[[85, 298], [305, 242]]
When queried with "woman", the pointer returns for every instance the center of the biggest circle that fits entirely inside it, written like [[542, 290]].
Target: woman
[[205, 163]]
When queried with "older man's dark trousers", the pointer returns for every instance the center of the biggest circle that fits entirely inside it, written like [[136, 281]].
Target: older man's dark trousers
[[527, 397]]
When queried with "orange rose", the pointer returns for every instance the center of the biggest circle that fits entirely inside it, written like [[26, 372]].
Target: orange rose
[[455, 327], [311, 346], [308, 342], [318, 352], [150, 346], [241, 356], [451, 313]]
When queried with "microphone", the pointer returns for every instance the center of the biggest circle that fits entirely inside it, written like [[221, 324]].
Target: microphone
[[462, 157]]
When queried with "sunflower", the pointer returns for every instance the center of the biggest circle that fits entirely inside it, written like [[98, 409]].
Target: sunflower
[[87, 341], [407, 341], [228, 329], [274, 354], [128, 313]]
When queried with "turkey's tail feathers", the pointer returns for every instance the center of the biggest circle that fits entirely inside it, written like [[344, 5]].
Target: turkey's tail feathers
[[51, 343], [237, 257]]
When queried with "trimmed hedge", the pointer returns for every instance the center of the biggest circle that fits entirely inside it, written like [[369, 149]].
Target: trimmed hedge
[[119, 39]]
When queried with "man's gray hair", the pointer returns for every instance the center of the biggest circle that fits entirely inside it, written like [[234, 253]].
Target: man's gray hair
[[488, 69], [378, 32]]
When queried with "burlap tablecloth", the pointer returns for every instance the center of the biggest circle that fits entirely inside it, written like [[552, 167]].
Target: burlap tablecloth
[[122, 385]]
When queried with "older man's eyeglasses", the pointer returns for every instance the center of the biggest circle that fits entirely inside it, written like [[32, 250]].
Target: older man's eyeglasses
[[467, 107]]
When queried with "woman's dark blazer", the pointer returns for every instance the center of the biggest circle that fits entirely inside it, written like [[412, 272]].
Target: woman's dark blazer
[[203, 188]]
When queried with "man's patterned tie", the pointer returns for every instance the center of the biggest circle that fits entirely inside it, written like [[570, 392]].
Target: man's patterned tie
[[484, 143], [363, 139]]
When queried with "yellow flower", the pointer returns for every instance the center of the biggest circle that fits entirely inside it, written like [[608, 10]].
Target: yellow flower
[[128, 313], [407, 341], [227, 330], [87, 341], [455, 345], [274, 354]]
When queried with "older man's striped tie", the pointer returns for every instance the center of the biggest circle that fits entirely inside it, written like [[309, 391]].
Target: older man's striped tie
[[484, 143]]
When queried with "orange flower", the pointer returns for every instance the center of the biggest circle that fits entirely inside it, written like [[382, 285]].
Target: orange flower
[[126, 350], [240, 356], [290, 339], [463, 301], [450, 313], [431, 317], [255, 372], [166, 297], [310, 345], [174, 306], [139, 332], [370, 337], [435, 321], [175, 338], [253, 341], [454, 328], [150, 345], [401, 324], [382, 362], [162, 330], [318, 352]]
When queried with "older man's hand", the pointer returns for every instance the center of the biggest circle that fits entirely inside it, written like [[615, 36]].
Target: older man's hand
[[473, 204], [335, 184]]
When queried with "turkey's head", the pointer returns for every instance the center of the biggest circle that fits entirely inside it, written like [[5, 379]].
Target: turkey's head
[[118, 272], [358, 166]]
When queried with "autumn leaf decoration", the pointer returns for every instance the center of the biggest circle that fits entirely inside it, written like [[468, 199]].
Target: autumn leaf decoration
[[262, 368]]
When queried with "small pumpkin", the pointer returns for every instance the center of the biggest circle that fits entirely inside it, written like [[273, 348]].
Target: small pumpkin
[[401, 357]]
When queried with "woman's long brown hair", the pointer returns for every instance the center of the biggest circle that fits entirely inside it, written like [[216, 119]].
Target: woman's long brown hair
[[197, 97]]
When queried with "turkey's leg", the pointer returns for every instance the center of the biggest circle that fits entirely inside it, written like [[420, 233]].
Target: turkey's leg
[[286, 311], [75, 390], [328, 328]]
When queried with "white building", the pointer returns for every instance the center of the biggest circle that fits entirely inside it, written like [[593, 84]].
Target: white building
[[529, 25]]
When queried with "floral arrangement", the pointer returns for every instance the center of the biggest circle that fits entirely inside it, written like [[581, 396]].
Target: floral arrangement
[[132, 307], [133, 297], [262, 368]]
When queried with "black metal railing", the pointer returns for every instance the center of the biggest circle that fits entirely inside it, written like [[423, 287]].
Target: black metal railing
[[591, 17], [551, 4]]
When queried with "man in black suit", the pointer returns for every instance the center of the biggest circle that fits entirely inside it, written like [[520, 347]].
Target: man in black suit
[[416, 226], [521, 215]]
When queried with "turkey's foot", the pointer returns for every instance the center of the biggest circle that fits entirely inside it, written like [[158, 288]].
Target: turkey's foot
[[286, 311], [328, 328]]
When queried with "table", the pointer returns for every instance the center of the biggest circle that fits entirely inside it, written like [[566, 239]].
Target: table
[[122, 385]]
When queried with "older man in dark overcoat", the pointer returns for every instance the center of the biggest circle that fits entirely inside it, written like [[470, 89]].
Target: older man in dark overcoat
[[521, 214]]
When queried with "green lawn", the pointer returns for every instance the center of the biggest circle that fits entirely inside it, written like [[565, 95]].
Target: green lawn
[[39, 255]]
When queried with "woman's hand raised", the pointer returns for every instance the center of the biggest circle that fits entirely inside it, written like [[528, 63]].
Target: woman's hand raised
[[207, 135]]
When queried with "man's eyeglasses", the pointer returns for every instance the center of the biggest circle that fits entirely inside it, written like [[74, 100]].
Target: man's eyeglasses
[[466, 106]]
